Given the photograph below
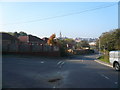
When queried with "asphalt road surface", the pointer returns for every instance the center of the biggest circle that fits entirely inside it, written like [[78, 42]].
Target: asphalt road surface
[[41, 72]]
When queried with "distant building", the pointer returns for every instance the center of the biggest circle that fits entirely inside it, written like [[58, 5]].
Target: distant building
[[77, 40], [85, 39], [30, 39], [92, 43]]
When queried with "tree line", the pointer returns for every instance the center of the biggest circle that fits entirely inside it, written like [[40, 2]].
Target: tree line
[[17, 34], [109, 41]]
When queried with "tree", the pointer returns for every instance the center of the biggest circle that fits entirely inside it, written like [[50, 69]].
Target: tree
[[63, 47], [11, 33], [117, 39], [82, 44], [109, 40], [69, 41], [21, 33], [51, 41], [16, 34]]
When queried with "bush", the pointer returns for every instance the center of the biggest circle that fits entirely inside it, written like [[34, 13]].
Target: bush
[[63, 52]]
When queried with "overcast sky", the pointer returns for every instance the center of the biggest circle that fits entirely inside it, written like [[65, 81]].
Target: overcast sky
[[73, 19]]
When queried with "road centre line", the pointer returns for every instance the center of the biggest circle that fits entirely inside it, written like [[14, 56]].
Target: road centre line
[[108, 78], [104, 76]]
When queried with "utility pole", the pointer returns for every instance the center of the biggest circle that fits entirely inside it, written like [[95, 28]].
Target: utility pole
[[99, 46]]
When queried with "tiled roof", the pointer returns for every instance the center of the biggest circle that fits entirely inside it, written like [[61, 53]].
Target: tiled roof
[[23, 38], [30, 38], [6, 36]]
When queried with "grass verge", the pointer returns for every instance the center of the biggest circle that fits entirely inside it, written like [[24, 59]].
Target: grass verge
[[104, 58]]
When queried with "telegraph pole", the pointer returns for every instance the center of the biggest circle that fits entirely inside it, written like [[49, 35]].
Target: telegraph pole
[[99, 46]]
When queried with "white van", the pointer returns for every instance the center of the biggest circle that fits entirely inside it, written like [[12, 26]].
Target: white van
[[114, 57]]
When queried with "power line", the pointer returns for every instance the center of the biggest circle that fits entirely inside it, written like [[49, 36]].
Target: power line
[[64, 15]]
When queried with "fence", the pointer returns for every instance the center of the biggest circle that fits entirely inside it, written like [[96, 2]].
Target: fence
[[31, 49]]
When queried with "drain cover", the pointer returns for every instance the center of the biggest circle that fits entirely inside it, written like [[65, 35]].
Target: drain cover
[[54, 80]]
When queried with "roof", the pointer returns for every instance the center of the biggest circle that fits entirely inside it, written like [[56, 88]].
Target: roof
[[45, 39], [23, 38], [34, 38], [6, 36], [30, 38]]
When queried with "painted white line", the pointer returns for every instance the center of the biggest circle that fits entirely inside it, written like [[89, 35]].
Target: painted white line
[[62, 63], [59, 62], [42, 62], [104, 76], [116, 82], [104, 63]]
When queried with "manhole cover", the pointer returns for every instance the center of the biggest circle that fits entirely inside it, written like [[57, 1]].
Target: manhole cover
[[54, 80]]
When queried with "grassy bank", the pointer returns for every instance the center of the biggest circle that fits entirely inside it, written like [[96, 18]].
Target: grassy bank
[[104, 58]]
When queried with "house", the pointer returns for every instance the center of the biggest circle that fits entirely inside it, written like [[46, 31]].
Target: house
[[8, 39], [45, 39], [9, 42], [30, 39]]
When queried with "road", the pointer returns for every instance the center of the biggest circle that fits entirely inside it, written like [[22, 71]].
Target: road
[[41, 72]]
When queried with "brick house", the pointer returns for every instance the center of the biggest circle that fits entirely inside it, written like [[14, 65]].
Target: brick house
[[45, 39], [8, 39], [30, 39]]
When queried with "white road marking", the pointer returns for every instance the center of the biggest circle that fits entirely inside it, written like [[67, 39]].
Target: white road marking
[[104, 76], [59, 62], [42, 62], [116, 82], [104, 63], [62, 63]]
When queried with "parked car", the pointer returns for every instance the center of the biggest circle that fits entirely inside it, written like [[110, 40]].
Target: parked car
[[114, 57]]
